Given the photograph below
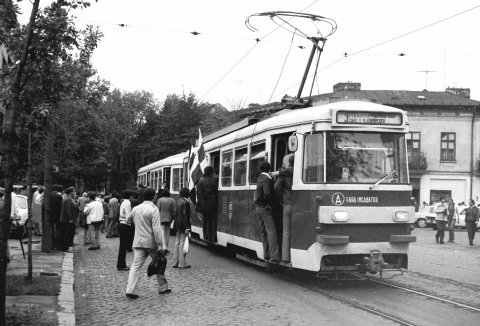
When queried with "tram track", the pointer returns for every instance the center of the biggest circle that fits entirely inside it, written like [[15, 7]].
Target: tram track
[[430, 296], [405, 307], [358, 305]]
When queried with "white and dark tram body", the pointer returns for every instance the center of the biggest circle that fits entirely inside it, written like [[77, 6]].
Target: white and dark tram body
[[351, 194]]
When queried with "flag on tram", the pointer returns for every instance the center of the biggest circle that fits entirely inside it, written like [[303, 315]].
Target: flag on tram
[[197, 162]]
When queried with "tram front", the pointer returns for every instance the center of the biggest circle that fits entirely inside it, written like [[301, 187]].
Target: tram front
[[355, 172]]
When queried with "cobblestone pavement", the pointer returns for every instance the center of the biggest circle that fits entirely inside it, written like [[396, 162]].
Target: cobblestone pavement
[[215, 291]]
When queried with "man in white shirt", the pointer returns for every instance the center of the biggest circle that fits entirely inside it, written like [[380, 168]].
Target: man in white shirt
[[148, 237], [94, 213], [441, 209], [124, 230]]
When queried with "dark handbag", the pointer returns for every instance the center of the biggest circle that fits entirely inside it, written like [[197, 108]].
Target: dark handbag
[[158, 264]]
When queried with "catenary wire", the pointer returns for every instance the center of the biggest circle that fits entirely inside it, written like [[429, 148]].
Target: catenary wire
[[345, 55]]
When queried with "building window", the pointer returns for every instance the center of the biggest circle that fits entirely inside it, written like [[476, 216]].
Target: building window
[[227, 169], [257, 156], [435, 195], [447, 149], [413, 149], [240, 168]]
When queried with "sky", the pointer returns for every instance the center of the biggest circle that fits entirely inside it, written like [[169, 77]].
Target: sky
[[157, 52]]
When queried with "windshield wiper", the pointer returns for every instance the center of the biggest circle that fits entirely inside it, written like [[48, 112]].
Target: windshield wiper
[[383, 178]]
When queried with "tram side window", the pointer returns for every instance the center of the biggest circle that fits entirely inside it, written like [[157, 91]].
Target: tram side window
[[176, 180], [257, 156], [313, 158], [240, 168], [227, 169]]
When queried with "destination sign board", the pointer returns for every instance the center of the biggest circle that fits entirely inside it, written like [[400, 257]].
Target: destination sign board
[[369, 118]]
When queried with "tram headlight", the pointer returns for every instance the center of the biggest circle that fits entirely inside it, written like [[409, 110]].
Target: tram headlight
[[340, 216], [401, 216]]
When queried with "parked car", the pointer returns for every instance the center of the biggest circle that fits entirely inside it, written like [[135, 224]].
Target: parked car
[[425, 217], [461, 218], [18, 227]]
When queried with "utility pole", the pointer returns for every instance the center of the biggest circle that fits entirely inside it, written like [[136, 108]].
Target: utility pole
[[426, 76]]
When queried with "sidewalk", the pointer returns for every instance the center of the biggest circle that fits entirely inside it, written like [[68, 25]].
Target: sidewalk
[[56, 310]]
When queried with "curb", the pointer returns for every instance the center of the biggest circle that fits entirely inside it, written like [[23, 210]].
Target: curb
[[66, 297]]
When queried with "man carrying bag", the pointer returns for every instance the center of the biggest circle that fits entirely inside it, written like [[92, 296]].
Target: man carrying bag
[[148, 237]]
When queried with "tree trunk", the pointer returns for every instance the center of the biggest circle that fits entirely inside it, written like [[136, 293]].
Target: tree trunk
[[47, 243], [30, 215], [8, 139]]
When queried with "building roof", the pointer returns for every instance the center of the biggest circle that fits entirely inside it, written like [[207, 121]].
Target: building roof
[[399, 98]]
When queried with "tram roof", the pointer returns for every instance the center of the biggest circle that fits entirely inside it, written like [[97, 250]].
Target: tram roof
[[286, 118], [168, 161]]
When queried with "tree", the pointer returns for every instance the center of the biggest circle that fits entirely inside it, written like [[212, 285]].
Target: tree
[[43, 50], [8, 135]]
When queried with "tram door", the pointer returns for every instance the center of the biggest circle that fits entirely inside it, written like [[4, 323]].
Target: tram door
[[148, 180], [215, 162], [166, 177], [279, 150]]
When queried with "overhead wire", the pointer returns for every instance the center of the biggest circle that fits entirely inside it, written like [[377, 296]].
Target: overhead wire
[[248, 52], [283, 66], [345, 55]]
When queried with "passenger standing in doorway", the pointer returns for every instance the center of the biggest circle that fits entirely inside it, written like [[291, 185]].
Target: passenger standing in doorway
[[207, 194], [451, 219], [441, 210], [472, 214], [147, 238], [283, 190], [264, 202]]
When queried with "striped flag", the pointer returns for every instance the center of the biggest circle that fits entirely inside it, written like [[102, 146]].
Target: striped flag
[[196, 162]]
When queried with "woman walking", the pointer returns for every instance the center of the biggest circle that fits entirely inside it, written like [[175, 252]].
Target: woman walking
[[182, 228]]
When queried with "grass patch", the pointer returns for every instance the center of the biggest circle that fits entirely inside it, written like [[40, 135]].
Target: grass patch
[[38, 285], [24, 316]]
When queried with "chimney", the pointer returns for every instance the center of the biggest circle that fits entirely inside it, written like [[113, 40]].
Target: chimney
[[348, 86], [463, 92]]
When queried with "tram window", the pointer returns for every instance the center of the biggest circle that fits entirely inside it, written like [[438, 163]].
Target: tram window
[[313, 159], [185, 175], [240, 167], [227, 169], [176, 180], [257, 156], [354, 157], [154, 179], [159, 178]]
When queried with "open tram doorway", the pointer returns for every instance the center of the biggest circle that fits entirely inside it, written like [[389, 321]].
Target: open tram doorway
[[279, 150], [215, 162], [166, 178]]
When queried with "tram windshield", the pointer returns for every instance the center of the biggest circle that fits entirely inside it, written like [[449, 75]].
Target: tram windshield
[[355, 157]]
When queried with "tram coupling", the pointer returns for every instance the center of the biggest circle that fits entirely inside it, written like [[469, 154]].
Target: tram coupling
[[375, 262]]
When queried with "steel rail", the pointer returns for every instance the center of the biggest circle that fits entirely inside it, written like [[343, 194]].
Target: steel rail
[[419, 293], [353, 303]]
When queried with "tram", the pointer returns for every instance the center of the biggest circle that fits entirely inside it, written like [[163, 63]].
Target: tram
[[166, 173], [351, 194]]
